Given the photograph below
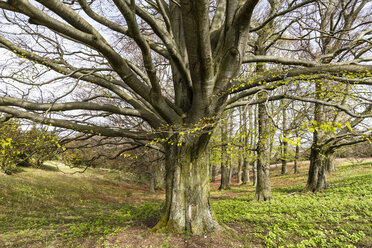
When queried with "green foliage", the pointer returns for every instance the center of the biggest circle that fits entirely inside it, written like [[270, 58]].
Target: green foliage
[[18, 147], [338, 217], [61, 210]]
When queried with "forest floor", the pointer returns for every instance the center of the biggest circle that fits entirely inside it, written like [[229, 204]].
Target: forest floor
[[46, 208]]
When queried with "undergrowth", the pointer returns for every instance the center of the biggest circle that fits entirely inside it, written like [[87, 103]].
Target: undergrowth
[[337, 217], [40, 208]]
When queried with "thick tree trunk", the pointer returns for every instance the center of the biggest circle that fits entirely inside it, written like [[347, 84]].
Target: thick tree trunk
[[263, 189], [187, 189], [317, 172]]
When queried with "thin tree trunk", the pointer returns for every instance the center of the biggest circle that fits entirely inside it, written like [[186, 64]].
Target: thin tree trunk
[[213, 173], [239, 172], [241, 149], [231, 169], [263, 188], [297, 155], [152, 183], [246, 153], [231, 165], [254, 169], [284, 141], [255, 141], [224, 159]]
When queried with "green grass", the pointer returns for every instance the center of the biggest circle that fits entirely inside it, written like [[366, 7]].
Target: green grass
[[45, 208], [49, 208], [341, 216]]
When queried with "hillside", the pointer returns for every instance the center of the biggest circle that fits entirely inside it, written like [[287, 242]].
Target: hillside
[[46, 208]]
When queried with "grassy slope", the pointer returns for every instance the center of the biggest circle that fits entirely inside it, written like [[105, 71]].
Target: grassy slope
[[41, 208]]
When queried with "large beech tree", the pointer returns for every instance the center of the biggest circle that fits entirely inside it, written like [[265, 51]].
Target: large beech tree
[[80, 64]]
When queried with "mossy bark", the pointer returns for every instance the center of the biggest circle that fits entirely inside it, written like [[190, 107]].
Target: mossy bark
[[317, 179], [187, 206]]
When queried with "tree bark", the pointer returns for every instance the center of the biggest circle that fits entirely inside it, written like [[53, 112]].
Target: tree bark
[[317, 171], [254, 170], [241, 149], [239, 172], [246, 153], [187, 206], [284, 149], [224, 159], [297, 155], [231, 137], [213, 173], [330, 161], [263, 188], [152, 183]]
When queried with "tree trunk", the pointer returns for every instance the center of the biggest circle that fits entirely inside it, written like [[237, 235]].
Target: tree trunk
[[241, 149], [224, 159], [297, 155], [255, 141], [263, 189], [152, 183], [230, 157], [231, 170], [254, 169], [187, 206], [284, 142], [317, 172], [330, 161], [224, 177], [245, 176], [239, 172], [213, 173], [264, 144], [246, 153]]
